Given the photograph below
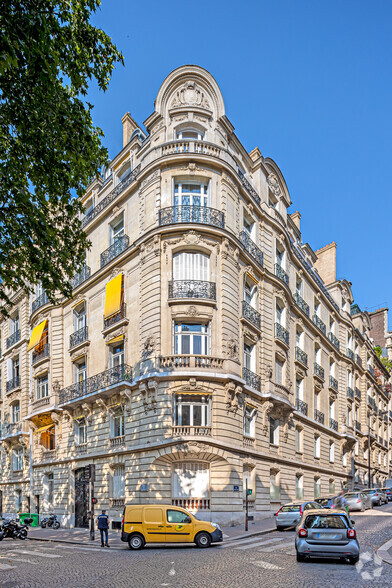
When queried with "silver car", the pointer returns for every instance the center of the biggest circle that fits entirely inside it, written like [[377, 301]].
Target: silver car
[[377, 497], [358, 501], [290, 514], [327, 533]]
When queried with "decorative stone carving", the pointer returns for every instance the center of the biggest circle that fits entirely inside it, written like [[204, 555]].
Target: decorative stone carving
[[151, 178], [190, 94], [274, 185], [265, 411], [67, 415], [192, 311], [79, 353], [102, 405], [87, 412], [234, 396], [192, 168], [148, 391], [251, 335], [232, 349], [148, 347]]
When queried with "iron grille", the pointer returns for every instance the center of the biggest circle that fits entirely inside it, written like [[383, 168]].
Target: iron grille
[[192, 289], [191, 214], [115, 375], [251, 379], [251, 314], [251, 248], [78, 337], [118, 247]]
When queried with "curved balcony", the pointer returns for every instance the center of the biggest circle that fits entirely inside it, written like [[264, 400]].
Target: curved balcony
[[251, 379], [281, 274], [320, 324], [118, 247], [185, 431], [281, 333], [251, 315], [38, 302], [192, 289], [12, 339], [333, 424], [191, 214], [350, 354], [318, 371], [78, 337], [248, 187], [251, 247], [81, 277], [13, 384], [94, 384], [319, 416], [301, 356], [334, 340], [302, 304], [42, 353], [302, 406]]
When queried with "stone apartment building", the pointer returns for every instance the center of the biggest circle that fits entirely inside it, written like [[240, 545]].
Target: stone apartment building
[[205, 345]]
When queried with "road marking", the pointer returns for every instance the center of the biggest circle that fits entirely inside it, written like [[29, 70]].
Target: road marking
[[11, 556], [32, 552], [257, 543], [81, 548], [266, 565], [250, 540], [275, 547], [6, 567]]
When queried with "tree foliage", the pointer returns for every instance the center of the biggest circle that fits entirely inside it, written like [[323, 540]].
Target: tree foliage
[[384, 360], [49, 147]]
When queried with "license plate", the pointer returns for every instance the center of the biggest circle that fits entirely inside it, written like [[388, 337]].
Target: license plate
[[328, 536]]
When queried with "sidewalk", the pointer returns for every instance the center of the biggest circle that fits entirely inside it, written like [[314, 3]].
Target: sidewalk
[[82, 536]]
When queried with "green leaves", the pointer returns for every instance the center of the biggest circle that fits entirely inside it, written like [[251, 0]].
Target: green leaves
[[49, 147]]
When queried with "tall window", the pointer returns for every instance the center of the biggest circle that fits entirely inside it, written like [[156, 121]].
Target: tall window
[[191, 266], [316, 400], [249, 357], [191, 480], [249, 226], [80, 317], [317, 446], [332, 409], [191, 339], [80, 371], [344, 457], [249, 420], [279, 371], [299, 389], [317, 488], [42, 387], [280, 257], [349, 417], [331, 451], [317, 354], [119, 482], [332, 486], [80, 431], [117, 230], [249, 478], [190, 194], [299, 286], [17, 459], [274, 431], [250, 292], [14, 324], [116, 355], [298, 439], [332, 326], [18, 500], [15, 368], [299, 336], [299, 486], [15, 412], [316, 307], [192, 410], [48, 439], [280, 314], [117, 423], [332, 368], [274, 485]]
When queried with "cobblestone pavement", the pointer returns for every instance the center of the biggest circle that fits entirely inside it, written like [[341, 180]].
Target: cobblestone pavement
[[267, 561]]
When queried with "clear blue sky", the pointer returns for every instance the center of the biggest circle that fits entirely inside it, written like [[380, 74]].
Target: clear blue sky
[[308, 82]]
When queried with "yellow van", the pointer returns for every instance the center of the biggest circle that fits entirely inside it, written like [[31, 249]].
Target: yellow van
[[149, 523]]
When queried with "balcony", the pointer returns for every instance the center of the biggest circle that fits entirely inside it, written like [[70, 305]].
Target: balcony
[[118, 247], [358, 393], [117, 502], [169, 363], [248, 187], [11, 430], [115, 318], [302, 406], [80, 336], [111, 196], [333, 424], [301, 356], [357, 426], [42, 353], [107, 379], [281, 333], [370, 370], [251, 379], [334, 340], [192, 504], [192, 289], [318, 416], [12, 339], [13, 384], [187, 431], [40, 301], [358, 360], [319, 323], [318, 371], [117, 441], [302, 304], [251, 315], [350, 393], [191, 214], [281, 274], [350, 354], [251, 248], [333, 383], [81, 277]]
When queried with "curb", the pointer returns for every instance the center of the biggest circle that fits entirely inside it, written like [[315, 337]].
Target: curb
[[383, 552], [250, 534]]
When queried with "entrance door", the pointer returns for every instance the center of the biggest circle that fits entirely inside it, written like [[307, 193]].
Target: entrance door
[[81, 498]]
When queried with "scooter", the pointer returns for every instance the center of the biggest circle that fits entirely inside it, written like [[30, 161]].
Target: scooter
[[50, 521]]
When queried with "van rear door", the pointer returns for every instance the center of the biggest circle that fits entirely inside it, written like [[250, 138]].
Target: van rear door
[[154, 524]]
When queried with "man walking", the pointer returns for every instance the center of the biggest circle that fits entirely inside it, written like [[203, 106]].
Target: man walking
[[103, 526]]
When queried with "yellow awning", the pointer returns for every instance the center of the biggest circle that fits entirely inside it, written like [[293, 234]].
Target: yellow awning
[[115, 340], [42, 429], [113, 296], [36, 335]]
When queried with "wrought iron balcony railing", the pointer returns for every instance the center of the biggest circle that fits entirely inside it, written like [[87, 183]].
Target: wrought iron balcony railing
[[12, 339], [115, 318], [301, 356], [333, 424], [81, 277], [42, 352], [358, 360], [318, 416], [319, 323], [12, 384], [281, 333], [251, 379], [370, 369], [118, 247], [111, 377], [78, 337], [12, 429], [191, 214], [350, 393], [40, 301], [357, 425], [251, 314], [281, 274], [350, 353], [248, 187], [302, 406], [334, 340], [302, 304], [357, 392], [111, 196], [192, 289], [333, 383], [251, 247], [318, 370]]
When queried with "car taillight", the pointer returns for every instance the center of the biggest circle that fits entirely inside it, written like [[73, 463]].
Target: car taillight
[[300, 510], [351, 534], [359, 500], [303, 533], [122, 522]]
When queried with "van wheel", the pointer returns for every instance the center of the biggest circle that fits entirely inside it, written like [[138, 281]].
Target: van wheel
[[203, 540], [136, 541]]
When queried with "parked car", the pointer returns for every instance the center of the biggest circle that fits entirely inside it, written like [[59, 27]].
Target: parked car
[[327, 533], [388, 492], [290, 514], [358, 501], [326, 501], [377, 496]]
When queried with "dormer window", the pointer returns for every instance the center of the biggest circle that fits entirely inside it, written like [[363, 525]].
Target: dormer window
[[272, 200], [190, 135]]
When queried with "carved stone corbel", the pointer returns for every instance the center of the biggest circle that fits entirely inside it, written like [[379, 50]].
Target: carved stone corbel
[[87, 411], [265, 411], [67, 415], [103, 407]]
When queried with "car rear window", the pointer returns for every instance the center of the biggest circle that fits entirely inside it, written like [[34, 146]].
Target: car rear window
[[326, 522], [291, 508], [352, 495], [323, 501]]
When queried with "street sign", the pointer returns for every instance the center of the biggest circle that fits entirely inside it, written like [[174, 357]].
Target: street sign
[[236, 488]]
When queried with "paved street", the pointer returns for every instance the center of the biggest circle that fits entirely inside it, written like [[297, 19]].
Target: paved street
[[267, 560]]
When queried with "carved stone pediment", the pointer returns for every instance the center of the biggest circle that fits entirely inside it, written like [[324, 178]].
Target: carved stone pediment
[[190, 94]]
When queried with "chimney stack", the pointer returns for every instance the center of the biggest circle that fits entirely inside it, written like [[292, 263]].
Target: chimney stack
[[129, 125]]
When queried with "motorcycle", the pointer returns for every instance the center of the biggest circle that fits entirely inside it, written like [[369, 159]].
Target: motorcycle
[[50, 521], [13, 530]]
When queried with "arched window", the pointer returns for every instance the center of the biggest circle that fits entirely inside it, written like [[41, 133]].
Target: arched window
[[190, 134]]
